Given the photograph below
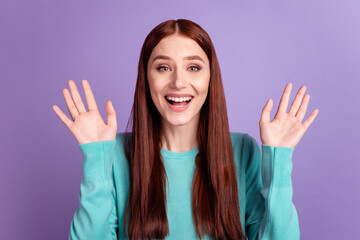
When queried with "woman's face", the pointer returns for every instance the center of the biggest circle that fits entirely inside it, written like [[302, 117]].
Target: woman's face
[[178, 73]]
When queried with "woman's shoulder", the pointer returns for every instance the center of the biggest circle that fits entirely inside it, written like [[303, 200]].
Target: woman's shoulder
[[238, 138], [245, 148], [121, 135], [242, 140], [121, 138]]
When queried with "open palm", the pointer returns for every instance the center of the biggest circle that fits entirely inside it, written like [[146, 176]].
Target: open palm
[[286, 129], [87, 126]]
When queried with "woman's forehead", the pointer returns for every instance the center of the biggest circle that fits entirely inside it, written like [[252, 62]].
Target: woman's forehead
[[177, 47]]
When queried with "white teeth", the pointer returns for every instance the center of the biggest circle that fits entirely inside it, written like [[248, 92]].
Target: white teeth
[[175, 99]]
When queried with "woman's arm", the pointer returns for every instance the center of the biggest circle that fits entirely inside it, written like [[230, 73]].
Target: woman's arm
[[270, 212], [96, 216]]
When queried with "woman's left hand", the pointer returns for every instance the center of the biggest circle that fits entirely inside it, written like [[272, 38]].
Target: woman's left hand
[[286, 129]]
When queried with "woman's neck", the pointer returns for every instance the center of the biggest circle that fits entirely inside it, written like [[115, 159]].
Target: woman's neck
[[179, 138]]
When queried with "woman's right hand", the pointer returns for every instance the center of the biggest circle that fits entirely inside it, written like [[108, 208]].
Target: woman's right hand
[[87, 126]]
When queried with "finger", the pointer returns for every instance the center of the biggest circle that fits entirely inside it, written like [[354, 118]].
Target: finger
[[296, 103], [284, 99], [302, 110], [62, 116], [76, 96], [311, 118], [90, 99], [111, 118], [70, 104], [265, 115]]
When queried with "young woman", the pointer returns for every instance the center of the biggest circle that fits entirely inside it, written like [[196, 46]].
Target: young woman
[[180, 173]]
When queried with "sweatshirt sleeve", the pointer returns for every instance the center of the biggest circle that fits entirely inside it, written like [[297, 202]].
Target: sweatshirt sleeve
[[270, 211], [96, 216]]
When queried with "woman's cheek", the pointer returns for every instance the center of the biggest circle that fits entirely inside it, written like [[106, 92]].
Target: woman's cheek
[[202, 85]]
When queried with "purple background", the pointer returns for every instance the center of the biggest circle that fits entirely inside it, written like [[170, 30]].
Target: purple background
[[261, 45]]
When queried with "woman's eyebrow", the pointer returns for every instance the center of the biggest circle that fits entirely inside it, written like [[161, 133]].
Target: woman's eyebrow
[[193, 57]]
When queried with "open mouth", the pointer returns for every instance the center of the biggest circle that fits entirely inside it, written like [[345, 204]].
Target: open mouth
[[179, 103]]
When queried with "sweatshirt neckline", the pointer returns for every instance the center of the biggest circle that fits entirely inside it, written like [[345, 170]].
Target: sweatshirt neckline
[[188, 154]]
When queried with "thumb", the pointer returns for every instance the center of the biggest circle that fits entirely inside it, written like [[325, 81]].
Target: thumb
[[265, 115], [111, 118]]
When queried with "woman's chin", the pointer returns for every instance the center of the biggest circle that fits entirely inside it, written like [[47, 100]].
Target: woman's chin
[[177, 121]]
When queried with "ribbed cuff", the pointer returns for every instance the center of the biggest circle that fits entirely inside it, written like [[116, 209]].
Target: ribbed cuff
[[97, 160], [276, 165]]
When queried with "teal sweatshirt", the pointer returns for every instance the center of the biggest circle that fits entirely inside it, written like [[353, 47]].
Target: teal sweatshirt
[[264, 183]]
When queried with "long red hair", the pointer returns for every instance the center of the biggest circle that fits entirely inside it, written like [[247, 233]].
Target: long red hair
[[215, 175]]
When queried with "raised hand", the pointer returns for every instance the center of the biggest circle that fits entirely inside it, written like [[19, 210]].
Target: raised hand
[[87, 126], [286, 129]]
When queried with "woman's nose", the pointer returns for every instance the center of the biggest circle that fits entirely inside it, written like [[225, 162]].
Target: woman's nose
[[179, 80]]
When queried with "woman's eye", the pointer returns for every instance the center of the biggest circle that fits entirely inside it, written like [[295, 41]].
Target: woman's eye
[[197, 68], [161, 68], [192, 68]]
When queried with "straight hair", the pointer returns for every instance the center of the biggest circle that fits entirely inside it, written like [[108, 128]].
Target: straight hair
[[215, 202]]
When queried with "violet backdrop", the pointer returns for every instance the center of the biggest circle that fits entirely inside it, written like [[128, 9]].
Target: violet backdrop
[[261, 45]]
